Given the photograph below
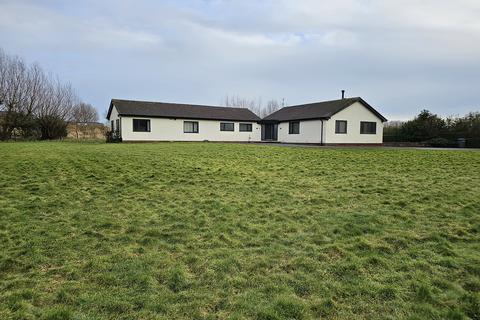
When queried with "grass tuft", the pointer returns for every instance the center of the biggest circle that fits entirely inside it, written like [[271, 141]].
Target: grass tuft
[[423, 293], [58, 313], [177, 279]]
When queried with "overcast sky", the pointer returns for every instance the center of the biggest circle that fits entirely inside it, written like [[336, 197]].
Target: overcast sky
[[399, 55]]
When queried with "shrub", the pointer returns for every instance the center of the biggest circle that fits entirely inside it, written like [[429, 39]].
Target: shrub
[[440, 143], [425, 126], [52, 127], [431, 128], [112, 137]]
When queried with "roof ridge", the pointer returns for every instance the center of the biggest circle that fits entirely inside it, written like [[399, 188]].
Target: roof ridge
[[180, 104], [352, 99], [318, 110], [326, 101]]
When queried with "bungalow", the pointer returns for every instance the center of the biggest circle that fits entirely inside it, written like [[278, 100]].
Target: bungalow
[[158, 121], [343, 121]]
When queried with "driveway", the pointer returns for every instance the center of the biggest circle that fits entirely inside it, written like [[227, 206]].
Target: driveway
[[294, 145]]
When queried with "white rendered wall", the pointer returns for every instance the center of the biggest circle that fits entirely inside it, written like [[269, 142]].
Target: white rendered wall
[[353, 114], [310, 132], [164, 129], [114, 117]]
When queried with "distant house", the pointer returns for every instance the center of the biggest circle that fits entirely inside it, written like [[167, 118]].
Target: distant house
[[86, 130], [344, 121]]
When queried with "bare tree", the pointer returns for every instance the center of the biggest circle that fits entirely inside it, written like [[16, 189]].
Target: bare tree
[[3, 92], [32, 103], [55, 109], [3, 78], [241, 102], [35, 84], [13, 84], [256, 106], [83, 114], [272, 106]]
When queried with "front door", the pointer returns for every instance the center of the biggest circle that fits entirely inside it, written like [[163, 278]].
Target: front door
[[269, 132]]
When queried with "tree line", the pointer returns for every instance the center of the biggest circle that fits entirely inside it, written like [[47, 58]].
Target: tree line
[[36, 105], [430, 129]]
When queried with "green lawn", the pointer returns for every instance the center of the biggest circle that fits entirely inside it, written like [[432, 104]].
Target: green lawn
[[237, 231]]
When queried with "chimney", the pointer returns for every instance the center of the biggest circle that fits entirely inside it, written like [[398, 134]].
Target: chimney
[[343, 94]]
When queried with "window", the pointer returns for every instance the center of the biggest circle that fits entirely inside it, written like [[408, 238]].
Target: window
[[190, 126], [294, 127], [141, 125], [245, 127], [368, 127], [117, 124], [111, 124], [227, 126], [340, 126]]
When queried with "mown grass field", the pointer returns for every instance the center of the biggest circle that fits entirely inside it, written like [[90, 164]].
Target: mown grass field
[[235, 231]]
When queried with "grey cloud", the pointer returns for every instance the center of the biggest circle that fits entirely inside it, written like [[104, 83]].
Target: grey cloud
[[400, 55]]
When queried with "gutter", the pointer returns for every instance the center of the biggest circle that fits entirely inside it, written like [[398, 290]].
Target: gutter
[[184, 118], [321, 133]]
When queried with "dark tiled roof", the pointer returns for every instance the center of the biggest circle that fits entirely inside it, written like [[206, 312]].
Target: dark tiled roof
[[318, 110], [176, 110]]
